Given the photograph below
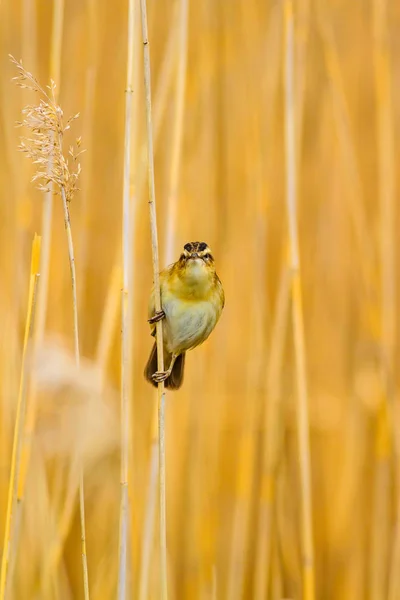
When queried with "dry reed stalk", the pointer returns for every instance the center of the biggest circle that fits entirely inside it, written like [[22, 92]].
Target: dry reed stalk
[[47, 213], [88, 135], [20, 413], [157, 302], [365, 247], [297, 315], [55, 67], [126, 289], [55, 550], [181, 52], [246, 503], [302, 30], [387, 198], [272, 425], [148, 529], [386, 181], [107, 329], [160, 105], [109, 320], [134, 460], [71, 257], [161, 97], [381, 507], [179, 113], [45, 148], [241, 517], [29, 48]]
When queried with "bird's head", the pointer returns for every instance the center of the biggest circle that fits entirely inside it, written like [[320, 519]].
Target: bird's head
[[196, 261]]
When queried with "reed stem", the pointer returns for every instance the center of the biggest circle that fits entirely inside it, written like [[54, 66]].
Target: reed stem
[[297, 314], [20, 414], [125, 342], [71, 257], [157, 302]]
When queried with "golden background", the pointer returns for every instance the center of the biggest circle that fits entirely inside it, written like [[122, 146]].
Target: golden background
[[233, 478]]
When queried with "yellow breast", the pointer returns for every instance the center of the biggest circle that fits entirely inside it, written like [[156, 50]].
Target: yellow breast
[[192, 307]]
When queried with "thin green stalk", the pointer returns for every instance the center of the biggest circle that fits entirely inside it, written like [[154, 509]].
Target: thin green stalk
[[71, 257]]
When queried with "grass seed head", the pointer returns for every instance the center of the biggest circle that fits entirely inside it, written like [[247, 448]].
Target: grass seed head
[[44, 144]]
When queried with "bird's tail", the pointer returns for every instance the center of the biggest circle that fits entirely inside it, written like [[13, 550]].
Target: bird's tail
[[175, 380]]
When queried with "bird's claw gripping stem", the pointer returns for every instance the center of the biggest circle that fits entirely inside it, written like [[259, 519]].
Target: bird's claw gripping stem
[[160, 376], [158, 315]]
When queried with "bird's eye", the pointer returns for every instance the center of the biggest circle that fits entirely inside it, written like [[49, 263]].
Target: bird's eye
[[207, 256]]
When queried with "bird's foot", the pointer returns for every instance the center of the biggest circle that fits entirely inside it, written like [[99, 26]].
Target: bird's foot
[[160, 376], [158, 315]]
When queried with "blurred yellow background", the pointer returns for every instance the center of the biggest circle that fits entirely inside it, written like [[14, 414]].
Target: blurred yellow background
[[233, 479]]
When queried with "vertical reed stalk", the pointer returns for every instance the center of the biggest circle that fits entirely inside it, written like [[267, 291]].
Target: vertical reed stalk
[[272, 427], [148, 530], [125, 343], [71, 258], [47, 213], [157, 302], [161, 96], [109, 319], [365, 246], [172, 217], [20, 413], [47, 217], [29, 48], [45, 148], [386, 192], [297, 314]]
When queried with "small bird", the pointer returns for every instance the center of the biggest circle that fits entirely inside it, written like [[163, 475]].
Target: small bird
[[192, 300]]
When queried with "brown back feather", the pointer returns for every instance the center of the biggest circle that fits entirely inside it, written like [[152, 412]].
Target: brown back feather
[[175, 380]]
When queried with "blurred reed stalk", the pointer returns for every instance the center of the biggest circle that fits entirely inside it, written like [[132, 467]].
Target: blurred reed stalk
[[148, 529], [71, 257], [109, 319], [109, 322], [385, 581], [112, 306], [91, 79], [179, 34], [29, 48], [297, 312], [45, 147], [364, 243], [160, 104], [46, 230], [20, 413], [272, 428], [47, 212], [126, 298], [302, 31], [157, 302], [179, 114]]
